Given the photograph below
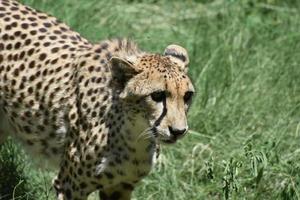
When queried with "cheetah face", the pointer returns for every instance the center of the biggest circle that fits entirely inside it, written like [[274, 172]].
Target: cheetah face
[[169, 106], [160, 85]]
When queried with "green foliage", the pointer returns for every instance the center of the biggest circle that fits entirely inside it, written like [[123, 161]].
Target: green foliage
[[230, 181], [14, 183], [245, 130]]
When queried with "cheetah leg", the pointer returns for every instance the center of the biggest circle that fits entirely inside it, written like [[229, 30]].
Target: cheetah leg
[[3, 137], [3, 127], [67, 189], [66, 183], [120, 192]]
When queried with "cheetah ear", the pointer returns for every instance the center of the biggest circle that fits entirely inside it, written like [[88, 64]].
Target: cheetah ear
[[179, 55], [122, 71]]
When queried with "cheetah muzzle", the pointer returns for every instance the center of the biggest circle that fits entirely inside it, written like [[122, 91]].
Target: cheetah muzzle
[[96, 112]]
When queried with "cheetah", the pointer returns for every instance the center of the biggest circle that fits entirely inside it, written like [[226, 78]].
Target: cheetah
[[97, 112]]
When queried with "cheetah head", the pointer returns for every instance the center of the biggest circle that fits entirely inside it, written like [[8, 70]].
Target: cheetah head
[[159, 87]]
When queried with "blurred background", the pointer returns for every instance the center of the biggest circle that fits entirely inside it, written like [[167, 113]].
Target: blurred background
[[244, 141]]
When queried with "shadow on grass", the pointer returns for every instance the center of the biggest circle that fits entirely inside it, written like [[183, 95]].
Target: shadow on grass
[[14, 182]]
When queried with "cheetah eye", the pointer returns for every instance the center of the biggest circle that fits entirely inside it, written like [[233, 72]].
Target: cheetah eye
[[188, 96], [158, 96]]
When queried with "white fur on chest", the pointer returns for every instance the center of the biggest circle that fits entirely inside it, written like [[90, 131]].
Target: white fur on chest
[[131, 159]]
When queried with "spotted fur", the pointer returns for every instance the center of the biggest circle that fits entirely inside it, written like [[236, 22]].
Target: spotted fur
[[96, 112]]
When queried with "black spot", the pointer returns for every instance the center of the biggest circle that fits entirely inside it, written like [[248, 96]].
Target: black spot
[[27, 42], [80, 171], [23, 36], [32, 19], [27, 129], [88, 157], [82, 185], [115, 196], [16, 72], [9, 47], [33, 32], [30, 52], [43, 30], [24, 25], [31, 64], [64, 56], [47, 24], [127, 186], [29, 142], [54, 50], [52, 37], [68, 194], [99, 186], [8, 27], [42, 56], [17, 45], [41, 37], [54, 150], [103, 196], [109, 175]]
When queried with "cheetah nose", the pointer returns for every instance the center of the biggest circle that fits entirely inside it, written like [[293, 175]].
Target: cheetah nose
[[177, 132]]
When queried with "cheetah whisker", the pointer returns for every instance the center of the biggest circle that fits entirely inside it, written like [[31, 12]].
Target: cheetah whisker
[[146, 134]]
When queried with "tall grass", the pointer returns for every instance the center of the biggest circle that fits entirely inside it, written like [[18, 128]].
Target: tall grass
[[245, 130]]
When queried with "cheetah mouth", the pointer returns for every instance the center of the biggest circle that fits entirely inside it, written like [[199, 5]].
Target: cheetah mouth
[[163, 139], [170, 140]]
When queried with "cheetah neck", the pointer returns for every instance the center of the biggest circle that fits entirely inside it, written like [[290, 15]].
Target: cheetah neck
[[137, 130], [138, 135]]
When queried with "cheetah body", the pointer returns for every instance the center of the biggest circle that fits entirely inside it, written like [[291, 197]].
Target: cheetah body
[[68, 101]]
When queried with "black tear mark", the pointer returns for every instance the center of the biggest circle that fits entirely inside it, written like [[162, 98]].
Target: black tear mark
[[154, 131], [163, 114]]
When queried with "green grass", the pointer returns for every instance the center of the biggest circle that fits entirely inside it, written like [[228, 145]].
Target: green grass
[[244, 141]]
